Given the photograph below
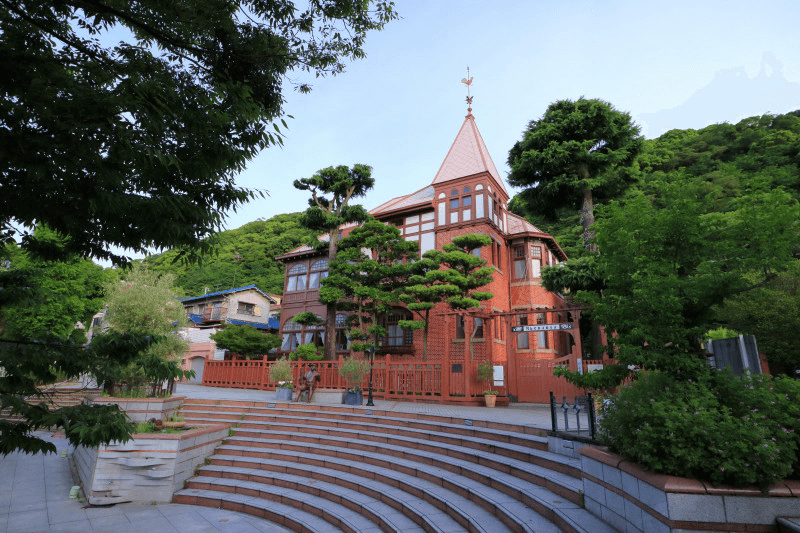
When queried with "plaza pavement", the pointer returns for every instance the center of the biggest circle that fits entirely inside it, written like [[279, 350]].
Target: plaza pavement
[[34, 489]]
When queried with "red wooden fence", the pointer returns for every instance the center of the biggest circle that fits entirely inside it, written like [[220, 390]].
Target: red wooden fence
[[410, 381]]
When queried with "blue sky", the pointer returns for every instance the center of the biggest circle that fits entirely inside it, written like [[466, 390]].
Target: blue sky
[[669, 64]]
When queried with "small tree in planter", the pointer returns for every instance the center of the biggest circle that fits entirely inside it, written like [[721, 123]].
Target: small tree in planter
[[353, 371], [281, 373], [485, 372]]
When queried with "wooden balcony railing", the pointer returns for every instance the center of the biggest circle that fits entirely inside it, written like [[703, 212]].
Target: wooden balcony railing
[[214, 313]]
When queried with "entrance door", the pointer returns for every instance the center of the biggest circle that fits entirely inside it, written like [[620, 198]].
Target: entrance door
[[197, 364]]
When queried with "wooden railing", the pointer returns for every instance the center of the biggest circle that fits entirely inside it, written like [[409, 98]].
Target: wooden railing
[[452, 381], [391, 380]]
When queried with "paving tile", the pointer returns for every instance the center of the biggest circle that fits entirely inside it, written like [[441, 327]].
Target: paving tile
[[23, 506], [21, 522], [77, 526]]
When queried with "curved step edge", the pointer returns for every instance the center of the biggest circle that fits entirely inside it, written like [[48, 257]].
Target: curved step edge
[[280, 514]]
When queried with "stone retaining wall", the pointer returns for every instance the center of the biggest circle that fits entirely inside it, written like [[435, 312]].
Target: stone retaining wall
[[149, 468], [623, 495], [143, 409]]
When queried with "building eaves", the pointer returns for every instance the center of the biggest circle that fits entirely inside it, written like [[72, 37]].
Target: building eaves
[[519, 227], [419, 198]]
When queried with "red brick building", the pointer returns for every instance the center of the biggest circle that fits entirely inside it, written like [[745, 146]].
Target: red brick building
[[466, 195]]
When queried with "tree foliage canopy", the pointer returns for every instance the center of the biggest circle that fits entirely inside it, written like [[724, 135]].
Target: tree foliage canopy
[[246, 340], [331, 190], [329, 209], [146, 303], [569, 156], [67, 292], [369, 268], [711, 229], [136, 145], [106, 143]]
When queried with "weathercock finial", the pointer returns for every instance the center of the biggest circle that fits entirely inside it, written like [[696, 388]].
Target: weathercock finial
[[468, 81]]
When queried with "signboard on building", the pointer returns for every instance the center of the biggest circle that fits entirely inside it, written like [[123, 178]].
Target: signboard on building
[[541, 327]]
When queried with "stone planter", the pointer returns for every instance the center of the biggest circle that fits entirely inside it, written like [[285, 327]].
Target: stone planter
[[353, 397], [491, 399], [284, 394], [143, 409], [623, 495], [149, 468]]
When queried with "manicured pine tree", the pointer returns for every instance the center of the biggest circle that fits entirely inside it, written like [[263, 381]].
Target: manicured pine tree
[[329, 209], [370, 267], [454, 284]]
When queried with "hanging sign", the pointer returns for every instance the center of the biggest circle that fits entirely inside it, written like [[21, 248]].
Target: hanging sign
[[541, 327]]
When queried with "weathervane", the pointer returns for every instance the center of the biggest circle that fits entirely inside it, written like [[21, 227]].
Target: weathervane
[[468, 81]]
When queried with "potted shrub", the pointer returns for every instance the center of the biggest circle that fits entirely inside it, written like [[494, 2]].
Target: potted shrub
[[485, 372], [281, 373], [353, 371], [490, 396]]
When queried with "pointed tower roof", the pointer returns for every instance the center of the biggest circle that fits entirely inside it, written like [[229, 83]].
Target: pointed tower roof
[[468, 156]]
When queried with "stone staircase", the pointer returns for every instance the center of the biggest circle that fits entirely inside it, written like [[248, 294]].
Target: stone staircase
[[325, 468], [62, 395]]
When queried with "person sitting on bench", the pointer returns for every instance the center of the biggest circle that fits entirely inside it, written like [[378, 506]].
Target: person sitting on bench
[[308, 383]]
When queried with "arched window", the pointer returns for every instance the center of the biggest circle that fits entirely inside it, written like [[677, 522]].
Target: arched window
[[454, 192], [295, 334], [466, 190], [319, 271], [315, 333], [291, 336], [296, 278]]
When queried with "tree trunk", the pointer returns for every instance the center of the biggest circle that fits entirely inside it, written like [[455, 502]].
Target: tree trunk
[[330, 309], [425, 337], [587, 220]]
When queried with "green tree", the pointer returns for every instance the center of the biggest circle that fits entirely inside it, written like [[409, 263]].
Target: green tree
[[768, 312], [146, 304], [246, 340], [329, 209], [427, 286], [106, 143], [136, 144], [669, 259], [69, 292], [371, 265], [573, 155], [463, 273]]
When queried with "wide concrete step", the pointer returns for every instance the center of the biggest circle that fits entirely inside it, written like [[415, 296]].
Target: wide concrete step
[[537, 488], [282, 514], [387, 505], [537, 466], [357, 421], [417, 465], [333, 411], [345, 509], [460, 497]]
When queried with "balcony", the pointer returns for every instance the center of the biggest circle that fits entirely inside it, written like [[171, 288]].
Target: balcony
[[214, 314]]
